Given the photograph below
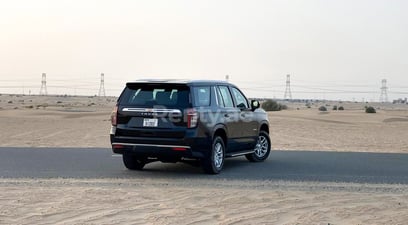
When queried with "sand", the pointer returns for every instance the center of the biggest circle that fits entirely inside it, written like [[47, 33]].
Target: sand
[[84, 122]]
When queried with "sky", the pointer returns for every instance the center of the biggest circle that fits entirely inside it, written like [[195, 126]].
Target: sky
[[332, 49]]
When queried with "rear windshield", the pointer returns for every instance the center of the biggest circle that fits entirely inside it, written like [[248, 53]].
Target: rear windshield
[[150, 95]]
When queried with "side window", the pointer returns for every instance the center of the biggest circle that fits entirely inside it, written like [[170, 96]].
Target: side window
[[226, 96], [218, 97], [240, 99], [202, 96]]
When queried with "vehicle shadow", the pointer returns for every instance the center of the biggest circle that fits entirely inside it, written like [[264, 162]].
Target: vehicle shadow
[[313, 166]]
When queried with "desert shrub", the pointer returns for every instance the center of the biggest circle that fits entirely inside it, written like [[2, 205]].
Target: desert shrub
[[322, 108], [271, 105], [341, 108], [335, 107], [59, 102], [9, 102], [370, 109], [30, 107]]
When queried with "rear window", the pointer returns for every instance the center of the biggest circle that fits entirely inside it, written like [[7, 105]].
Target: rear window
[[150, 95]]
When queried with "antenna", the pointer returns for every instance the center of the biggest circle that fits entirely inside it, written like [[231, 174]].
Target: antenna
[[102, 86], [43, 90], [288, 93], [384, 88], [227, 78]]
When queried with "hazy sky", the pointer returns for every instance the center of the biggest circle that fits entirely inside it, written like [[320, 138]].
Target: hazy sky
[[332, 49]]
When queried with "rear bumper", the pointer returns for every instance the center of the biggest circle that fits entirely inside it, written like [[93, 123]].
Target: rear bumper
[[161, 147]]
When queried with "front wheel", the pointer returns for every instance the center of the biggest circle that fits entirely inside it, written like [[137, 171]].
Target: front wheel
[[262, 148], [214, 162], [133, 162]]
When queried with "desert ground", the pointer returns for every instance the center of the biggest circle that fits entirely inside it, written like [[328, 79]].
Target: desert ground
[[64, 121]]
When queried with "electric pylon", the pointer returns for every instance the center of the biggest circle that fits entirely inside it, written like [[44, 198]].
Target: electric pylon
[[288, 93], [43, 90], [384, 88], [102, 86]]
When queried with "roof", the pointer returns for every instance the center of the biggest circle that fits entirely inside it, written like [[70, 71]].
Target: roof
[[177, 81]]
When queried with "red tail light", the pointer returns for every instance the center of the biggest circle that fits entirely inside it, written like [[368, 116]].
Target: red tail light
[[114, 116], [179, 149], [118, 146], [192, 118]]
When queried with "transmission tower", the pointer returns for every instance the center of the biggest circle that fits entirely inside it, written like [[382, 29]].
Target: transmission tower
[[43, 90], [227, 78], [384, 88], [288, 93], [102, 86]]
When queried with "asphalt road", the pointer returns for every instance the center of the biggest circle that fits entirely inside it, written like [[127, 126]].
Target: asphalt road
[[281, 165]]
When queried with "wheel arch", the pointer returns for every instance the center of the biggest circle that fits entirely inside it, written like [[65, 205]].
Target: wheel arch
[[220, 130], [264, 127]]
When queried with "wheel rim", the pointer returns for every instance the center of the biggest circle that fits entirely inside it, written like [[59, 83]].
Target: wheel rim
[[218, 155], [262, 146]]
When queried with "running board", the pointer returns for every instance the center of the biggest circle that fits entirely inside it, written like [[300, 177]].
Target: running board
[[233, 154]]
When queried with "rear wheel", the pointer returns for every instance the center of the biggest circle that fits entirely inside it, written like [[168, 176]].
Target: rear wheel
[[262, 148], [133, 162], [214, 162]]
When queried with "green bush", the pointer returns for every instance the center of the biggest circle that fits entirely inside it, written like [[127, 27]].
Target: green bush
[[370, 109], [341, 108], [271, 105], [322, 108]]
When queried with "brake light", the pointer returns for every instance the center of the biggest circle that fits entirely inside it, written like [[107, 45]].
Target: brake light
[[179, 149], [192, 118], [118, 146], [114, 116]]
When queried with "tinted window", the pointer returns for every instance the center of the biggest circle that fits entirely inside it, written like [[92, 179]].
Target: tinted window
[[202, 96], [239, 98], [145, 95], [218, 97], [226, 96]]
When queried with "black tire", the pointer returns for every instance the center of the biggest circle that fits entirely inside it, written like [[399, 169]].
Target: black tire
[[214, 162], [133, 162], [262, 148]]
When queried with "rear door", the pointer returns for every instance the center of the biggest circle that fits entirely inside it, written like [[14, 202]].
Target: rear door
[[153, 110]]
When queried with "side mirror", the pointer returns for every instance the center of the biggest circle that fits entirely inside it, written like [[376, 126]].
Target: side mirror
[[255, 104]]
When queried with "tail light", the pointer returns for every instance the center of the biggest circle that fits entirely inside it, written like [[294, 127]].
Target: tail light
[[114, 116], [192, 118]]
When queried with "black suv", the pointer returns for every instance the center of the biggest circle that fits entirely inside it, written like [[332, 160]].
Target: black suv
[[180, 120]]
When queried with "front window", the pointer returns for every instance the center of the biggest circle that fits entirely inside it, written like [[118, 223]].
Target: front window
[[240, 99]]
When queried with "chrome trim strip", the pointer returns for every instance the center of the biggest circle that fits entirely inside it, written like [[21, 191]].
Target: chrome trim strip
[[241, 153], [153, 145], [152, 110]]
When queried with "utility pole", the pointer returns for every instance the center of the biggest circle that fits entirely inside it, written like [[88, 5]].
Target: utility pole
[[102, 86], [43, 90], [288, 93], [227, 78]]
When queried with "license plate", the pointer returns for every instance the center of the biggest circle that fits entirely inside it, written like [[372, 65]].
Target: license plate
[[150, 122]]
